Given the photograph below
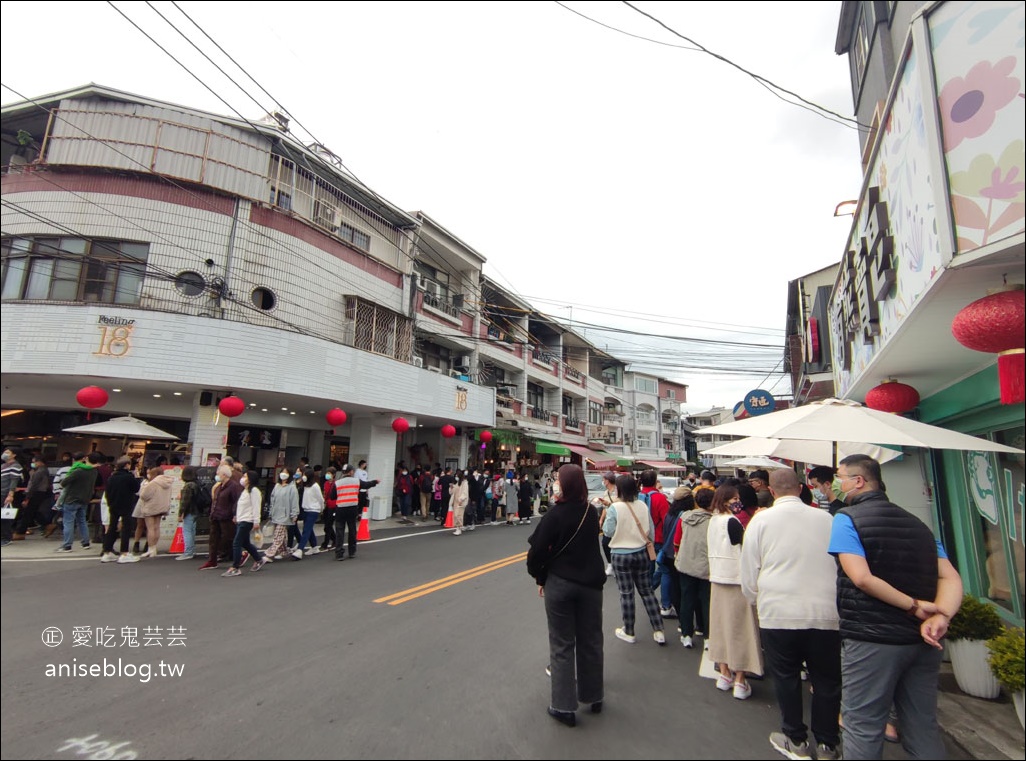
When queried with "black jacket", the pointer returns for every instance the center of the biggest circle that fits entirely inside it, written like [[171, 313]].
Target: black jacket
[[559, 548], [122, 492]]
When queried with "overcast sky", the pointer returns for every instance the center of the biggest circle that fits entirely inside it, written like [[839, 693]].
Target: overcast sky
[[610, 180]]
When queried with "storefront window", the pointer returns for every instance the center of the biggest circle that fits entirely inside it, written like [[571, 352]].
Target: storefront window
[[995, 488]]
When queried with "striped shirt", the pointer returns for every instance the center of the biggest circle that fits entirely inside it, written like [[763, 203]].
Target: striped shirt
[[348, 492]]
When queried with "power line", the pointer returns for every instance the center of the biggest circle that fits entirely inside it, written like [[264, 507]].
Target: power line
[[846, 120]]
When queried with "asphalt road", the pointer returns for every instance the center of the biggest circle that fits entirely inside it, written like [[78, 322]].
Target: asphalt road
[[310, 660]]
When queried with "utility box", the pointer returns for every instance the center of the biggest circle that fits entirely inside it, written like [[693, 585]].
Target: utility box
[[378, 509]]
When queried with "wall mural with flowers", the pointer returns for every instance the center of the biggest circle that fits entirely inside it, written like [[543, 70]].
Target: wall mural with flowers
[[978, 63]]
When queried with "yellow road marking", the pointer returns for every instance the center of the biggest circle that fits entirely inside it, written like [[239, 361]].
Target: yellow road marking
[[433, 586]]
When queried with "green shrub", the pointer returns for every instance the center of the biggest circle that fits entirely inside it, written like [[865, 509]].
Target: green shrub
[[975, 620], [1007, 659]]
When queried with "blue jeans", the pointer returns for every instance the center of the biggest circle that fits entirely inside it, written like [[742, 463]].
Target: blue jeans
[[75, 515], [309, 538], [661, 579], [189, 534]]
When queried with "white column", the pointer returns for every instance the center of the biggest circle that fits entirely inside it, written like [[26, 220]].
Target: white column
[[374, 440], [208, 431]]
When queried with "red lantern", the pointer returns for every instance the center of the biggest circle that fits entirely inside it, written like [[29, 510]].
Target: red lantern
[[486, 436], [336, 417], [448, 431], [231, 406], [996, 324], [400, 425], [92, 398], [891, 396]]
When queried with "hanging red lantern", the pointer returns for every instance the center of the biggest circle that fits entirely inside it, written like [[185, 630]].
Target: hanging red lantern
[[891, 396], [92, 398], [400, 425], [448, 431], [486, 436], [231, 406], [336, 417], [996, 324]]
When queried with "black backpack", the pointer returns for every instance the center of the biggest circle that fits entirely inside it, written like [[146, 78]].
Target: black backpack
[[202, 499]]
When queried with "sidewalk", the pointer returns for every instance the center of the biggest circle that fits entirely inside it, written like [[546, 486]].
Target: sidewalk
[[985, 729]]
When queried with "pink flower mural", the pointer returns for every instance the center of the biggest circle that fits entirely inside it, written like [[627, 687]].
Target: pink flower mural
[[969, 104]]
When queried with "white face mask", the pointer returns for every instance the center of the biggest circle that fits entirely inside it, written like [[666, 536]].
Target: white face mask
[[284, 475], [217, 479], [244, 482], [303, 479]]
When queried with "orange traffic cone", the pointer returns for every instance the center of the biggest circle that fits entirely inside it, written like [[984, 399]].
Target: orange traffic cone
[[178, 541], [363, 532], [448, 517]]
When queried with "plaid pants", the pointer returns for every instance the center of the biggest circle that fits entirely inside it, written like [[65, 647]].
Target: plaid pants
[[278, 541], [633, 570]]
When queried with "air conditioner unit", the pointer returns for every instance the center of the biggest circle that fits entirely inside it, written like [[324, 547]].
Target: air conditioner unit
[[455, 373], [462, 363], [418, 362], [435, 369]]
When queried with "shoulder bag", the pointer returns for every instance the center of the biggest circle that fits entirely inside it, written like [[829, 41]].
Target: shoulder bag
[[649, 547]]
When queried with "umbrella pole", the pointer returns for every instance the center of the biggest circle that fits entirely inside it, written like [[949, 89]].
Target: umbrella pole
[[833, 447]]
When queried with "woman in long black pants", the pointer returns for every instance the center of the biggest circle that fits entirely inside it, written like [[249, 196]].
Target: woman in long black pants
[[566, 562]]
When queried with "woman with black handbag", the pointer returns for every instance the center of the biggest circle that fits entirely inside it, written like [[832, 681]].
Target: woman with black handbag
[[566, 562]]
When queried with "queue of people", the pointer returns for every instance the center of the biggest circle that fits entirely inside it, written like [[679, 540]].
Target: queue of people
[[843, 587]]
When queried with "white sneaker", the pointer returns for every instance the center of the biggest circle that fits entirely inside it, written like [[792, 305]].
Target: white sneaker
[[108, 557], [621, 634], [312, 551], [609, 569], [659, 637], [472, 527], [686, 641], [742, 691], [668, 612], [150, 553], [725, 683], [457, 532], [128, 557], [185, 557], [297, 554]]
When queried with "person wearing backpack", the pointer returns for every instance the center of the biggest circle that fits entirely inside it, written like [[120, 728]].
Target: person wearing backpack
[[683, 502], [658, 506], [427, 488], [691, 541]]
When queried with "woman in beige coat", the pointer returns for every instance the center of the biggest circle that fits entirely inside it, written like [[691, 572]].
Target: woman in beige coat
[[154, 504], [459, 493]]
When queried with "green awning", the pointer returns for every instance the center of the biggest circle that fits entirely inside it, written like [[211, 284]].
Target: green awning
[[624, 462], [548, 447]]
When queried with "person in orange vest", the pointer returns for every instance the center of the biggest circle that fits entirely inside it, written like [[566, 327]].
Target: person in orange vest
[[347, 511]]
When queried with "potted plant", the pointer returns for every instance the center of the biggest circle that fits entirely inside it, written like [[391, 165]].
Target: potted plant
[[974, 624], [1008, 664]]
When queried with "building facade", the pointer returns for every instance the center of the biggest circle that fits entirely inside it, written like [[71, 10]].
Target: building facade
[[939, 224]]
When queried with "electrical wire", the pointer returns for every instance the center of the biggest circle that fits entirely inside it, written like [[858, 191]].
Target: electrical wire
[[820, 110]]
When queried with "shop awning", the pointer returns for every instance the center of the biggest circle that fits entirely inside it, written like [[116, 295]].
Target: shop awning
[[595, 458], [662, 465], [548, 447], [624, 462]]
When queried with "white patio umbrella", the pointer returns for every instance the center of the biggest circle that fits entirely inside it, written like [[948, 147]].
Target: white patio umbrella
[[837, 420], [810, 452], [126, 427], [757, 462]]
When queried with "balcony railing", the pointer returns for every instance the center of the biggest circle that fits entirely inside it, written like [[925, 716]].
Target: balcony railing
[[442, 305]]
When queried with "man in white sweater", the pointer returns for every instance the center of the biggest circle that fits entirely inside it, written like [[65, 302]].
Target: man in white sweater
[[787, 573]]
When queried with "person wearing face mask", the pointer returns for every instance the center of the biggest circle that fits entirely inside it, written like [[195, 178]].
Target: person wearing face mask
[[330, 490], [38, 499], [312, 505], [225, 497], [459, 498], [896, 594], [284, 512], [247, 514], [821, 481], [404, 490]]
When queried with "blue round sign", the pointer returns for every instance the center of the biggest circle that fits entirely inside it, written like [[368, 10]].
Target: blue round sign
[[759, 402]]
